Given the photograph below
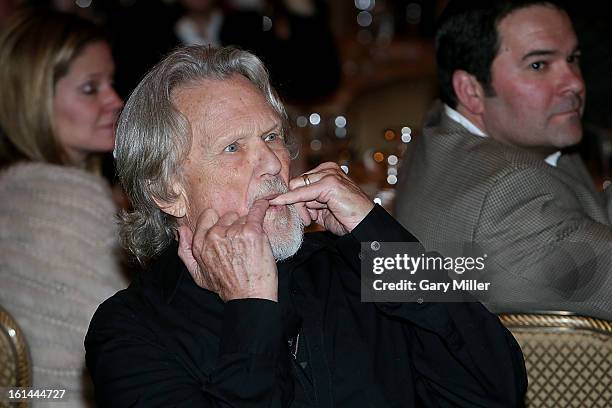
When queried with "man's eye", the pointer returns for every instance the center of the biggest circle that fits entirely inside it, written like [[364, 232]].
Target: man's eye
[[271, 137], [231, 148], [573, 59], [537, 66]]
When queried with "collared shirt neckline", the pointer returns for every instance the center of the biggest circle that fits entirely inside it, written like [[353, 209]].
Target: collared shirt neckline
[[463, 121], [551, 160]]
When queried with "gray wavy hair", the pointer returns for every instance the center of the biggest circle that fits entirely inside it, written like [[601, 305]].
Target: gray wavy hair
[[153, 138]]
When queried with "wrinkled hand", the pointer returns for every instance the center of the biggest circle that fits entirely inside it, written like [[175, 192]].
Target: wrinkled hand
[[332, 199], [231, 255]]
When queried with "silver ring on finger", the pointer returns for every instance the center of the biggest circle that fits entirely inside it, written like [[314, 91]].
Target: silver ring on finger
[[307, 181]]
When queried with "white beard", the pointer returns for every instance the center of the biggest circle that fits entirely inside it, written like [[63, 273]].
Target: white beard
[[287, 234], [285, 231]]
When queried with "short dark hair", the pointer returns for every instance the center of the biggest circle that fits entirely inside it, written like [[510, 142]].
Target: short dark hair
[[467, 39]]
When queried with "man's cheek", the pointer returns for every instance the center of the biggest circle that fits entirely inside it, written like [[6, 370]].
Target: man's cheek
[[234, 204], [286, 167]]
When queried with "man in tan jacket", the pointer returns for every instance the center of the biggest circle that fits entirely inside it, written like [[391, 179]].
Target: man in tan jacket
[[492, 167]]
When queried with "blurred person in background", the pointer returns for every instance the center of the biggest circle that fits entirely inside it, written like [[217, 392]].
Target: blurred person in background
[[497, 164], [291, 36], [58, 240]]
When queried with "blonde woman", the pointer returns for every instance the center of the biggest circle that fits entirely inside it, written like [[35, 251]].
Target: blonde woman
[[58, 241]]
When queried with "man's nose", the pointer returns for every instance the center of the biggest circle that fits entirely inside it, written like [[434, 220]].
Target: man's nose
[[571, 80], [267, 160]]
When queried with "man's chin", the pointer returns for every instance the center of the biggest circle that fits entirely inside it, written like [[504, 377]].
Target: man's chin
[[567, 136]]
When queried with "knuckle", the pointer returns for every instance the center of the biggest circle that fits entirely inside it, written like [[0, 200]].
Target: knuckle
[[330, 179], [215, 233], [251, 231], [230, 216], [234, 231], [209, 217]]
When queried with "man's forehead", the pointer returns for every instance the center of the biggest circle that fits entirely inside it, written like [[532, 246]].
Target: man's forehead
[[204, 94], [537, 27], [228, 107]]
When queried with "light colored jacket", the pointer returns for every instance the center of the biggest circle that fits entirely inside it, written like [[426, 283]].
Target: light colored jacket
[[58, 262], [546, 231]]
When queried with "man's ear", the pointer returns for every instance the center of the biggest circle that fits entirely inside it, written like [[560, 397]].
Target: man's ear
[[178, 207], [470, 94]]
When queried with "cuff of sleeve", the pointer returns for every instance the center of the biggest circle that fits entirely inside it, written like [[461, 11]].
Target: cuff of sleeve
[[252, 326], [379, 225]]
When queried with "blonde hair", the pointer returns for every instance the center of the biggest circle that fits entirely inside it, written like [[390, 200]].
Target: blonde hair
[[36, 50]]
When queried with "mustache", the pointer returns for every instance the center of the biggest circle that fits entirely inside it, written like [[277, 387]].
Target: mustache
[[569, 104], [268, 189]]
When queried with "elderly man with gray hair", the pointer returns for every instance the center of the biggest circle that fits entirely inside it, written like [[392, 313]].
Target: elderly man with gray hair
[[236, 308]]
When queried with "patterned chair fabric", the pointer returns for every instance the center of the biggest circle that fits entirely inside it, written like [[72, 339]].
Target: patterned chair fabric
[[568, 358], [14, 356]]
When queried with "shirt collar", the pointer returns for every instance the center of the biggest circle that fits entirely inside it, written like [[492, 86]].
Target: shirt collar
[[463, 121], [552, 159]]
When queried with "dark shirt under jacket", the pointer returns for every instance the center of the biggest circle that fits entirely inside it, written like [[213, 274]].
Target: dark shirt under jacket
[[166, 342]]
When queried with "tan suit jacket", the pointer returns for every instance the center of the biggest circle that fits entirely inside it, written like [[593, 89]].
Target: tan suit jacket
[[546, 231]]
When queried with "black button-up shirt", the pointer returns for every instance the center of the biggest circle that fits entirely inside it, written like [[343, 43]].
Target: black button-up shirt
[[165, 341]]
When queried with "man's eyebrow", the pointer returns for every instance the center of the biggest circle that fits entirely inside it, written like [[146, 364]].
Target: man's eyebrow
[[275, 126], [546, 53], [539, 53], [245, 132], [231, 137]]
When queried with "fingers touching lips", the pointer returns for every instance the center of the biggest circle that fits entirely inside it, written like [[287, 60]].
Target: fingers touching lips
[[268, 189]]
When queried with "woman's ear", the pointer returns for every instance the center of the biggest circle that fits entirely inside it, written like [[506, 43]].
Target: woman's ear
[[470, 93]]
